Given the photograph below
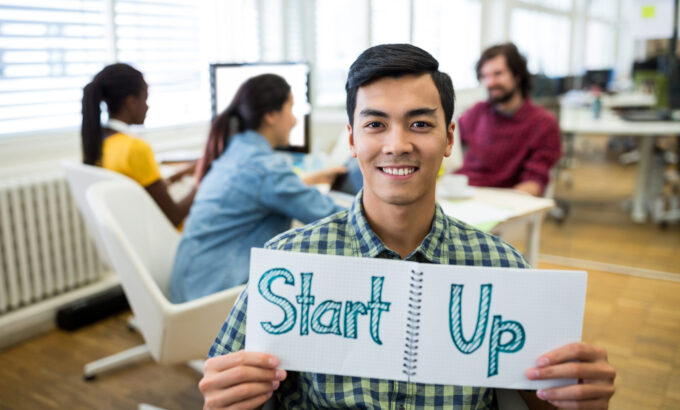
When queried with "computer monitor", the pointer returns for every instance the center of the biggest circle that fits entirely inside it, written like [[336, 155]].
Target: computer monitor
[[599, 78], [226, 78]]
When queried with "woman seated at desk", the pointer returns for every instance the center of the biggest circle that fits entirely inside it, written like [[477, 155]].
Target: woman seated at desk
[[247, 194], [124, 90]]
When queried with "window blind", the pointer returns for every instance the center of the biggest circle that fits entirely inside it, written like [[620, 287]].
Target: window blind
[[48, 51], [162, 40]]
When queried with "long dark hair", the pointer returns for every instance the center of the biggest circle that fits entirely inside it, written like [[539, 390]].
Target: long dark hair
[[256, 97], [112, 85], [515, 61]]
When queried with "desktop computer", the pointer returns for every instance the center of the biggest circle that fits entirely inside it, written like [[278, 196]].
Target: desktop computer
[[226, 78]]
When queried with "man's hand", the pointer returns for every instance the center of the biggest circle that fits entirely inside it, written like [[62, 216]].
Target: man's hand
[[530, 187], [240, 380], [579, 361]]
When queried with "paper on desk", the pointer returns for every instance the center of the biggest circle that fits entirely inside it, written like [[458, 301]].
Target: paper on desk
[[475, 213], [315, 324]]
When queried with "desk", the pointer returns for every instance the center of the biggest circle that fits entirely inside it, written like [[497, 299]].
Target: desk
[[496, 210], [501, 211], [579, 120]]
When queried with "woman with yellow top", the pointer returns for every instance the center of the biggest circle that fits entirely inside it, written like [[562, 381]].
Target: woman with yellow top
[[124, 91]]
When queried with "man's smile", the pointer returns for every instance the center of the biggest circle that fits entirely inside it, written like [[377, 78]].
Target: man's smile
[[399, 171]]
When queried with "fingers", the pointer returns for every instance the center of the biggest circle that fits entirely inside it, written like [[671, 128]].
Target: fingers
[[240, 375], [574, 370], [242, 380], [574, 351], [240, 358], [246, 396], [588, 404], [577, 392]]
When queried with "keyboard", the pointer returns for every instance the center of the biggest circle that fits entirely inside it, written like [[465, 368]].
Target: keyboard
[[645, 115]]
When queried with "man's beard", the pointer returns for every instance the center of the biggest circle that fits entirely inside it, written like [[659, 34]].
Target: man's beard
[[503, 98]]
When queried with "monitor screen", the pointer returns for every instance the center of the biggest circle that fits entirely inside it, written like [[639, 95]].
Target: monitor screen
[[600, 78], [225, 79]]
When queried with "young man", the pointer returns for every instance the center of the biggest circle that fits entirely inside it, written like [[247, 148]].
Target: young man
[[510, 143], [400, 108]]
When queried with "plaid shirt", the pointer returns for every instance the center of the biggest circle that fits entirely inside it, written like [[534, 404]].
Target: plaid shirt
[[348, 233]]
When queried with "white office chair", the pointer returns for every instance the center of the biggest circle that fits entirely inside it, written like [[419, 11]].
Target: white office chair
[[141, 245], [80, 177]]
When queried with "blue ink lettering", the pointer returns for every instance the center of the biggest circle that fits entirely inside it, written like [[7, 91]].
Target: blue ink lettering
[[265, 288], [377, 306], [352, 309], [514, 345], [305, 299], [334, 326], [455, 320]]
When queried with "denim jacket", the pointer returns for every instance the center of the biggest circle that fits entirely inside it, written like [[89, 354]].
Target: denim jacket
[[249, 196]]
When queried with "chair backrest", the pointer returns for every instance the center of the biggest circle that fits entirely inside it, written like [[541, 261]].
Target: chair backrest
[[141, 244], [80, 177]]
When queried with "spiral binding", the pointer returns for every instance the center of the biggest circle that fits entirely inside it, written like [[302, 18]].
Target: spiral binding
[[413, 325]]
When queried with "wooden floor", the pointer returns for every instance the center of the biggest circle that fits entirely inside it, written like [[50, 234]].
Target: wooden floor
[[598, 226], [636, 319]]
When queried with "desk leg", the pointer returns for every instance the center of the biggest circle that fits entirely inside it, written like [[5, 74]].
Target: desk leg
[[533, 239], [639, 213]]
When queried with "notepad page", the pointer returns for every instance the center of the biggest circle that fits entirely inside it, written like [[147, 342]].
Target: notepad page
[[352, 352], [550, 314]]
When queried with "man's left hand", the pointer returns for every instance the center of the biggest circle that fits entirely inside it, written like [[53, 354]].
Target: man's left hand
[[580, 361]]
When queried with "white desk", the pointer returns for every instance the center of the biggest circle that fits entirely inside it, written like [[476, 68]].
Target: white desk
[[501, 211], [580, 121]]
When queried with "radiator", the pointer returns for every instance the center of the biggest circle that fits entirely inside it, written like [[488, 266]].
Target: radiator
[[45, 250]]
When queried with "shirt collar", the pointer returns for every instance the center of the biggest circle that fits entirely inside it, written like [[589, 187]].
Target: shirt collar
[[118, 125], [431, 249]]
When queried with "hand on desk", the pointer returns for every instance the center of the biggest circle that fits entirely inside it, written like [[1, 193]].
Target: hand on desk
[[240, 380], [530, 187], [324, 176], [580, 361], [188, 169]]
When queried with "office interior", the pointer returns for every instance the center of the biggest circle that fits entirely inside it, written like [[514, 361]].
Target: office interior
[[603, 67]]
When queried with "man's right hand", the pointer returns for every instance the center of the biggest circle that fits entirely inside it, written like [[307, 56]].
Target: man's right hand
[[240, 380]]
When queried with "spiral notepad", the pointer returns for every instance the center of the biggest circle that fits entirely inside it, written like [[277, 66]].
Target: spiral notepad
[[421, 323]]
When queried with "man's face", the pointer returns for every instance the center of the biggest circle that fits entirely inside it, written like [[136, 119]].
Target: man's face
[[400, 137], [498, 80]]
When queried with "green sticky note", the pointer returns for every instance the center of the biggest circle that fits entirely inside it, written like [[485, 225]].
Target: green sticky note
[[648, 11]]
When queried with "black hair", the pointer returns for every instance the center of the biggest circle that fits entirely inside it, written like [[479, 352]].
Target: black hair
[[112, 85], [396, 60], [255, 98], [515, 62]]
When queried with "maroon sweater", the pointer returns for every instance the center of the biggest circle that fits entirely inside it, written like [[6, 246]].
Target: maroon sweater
[[503, 151]]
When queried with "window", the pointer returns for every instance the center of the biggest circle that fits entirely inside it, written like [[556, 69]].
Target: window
[[50, 49], [450, 30], [601, 34], [161, 38], [48, 52], [390, 21], [341, 35], [544, 39], [561, 5]]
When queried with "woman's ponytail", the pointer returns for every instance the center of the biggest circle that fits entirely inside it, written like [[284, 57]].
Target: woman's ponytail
[[91, 129], [223, 127], [111, 85], [256, 97]]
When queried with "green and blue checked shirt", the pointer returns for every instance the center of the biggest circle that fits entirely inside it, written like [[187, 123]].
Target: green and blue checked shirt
[[347, 233]]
